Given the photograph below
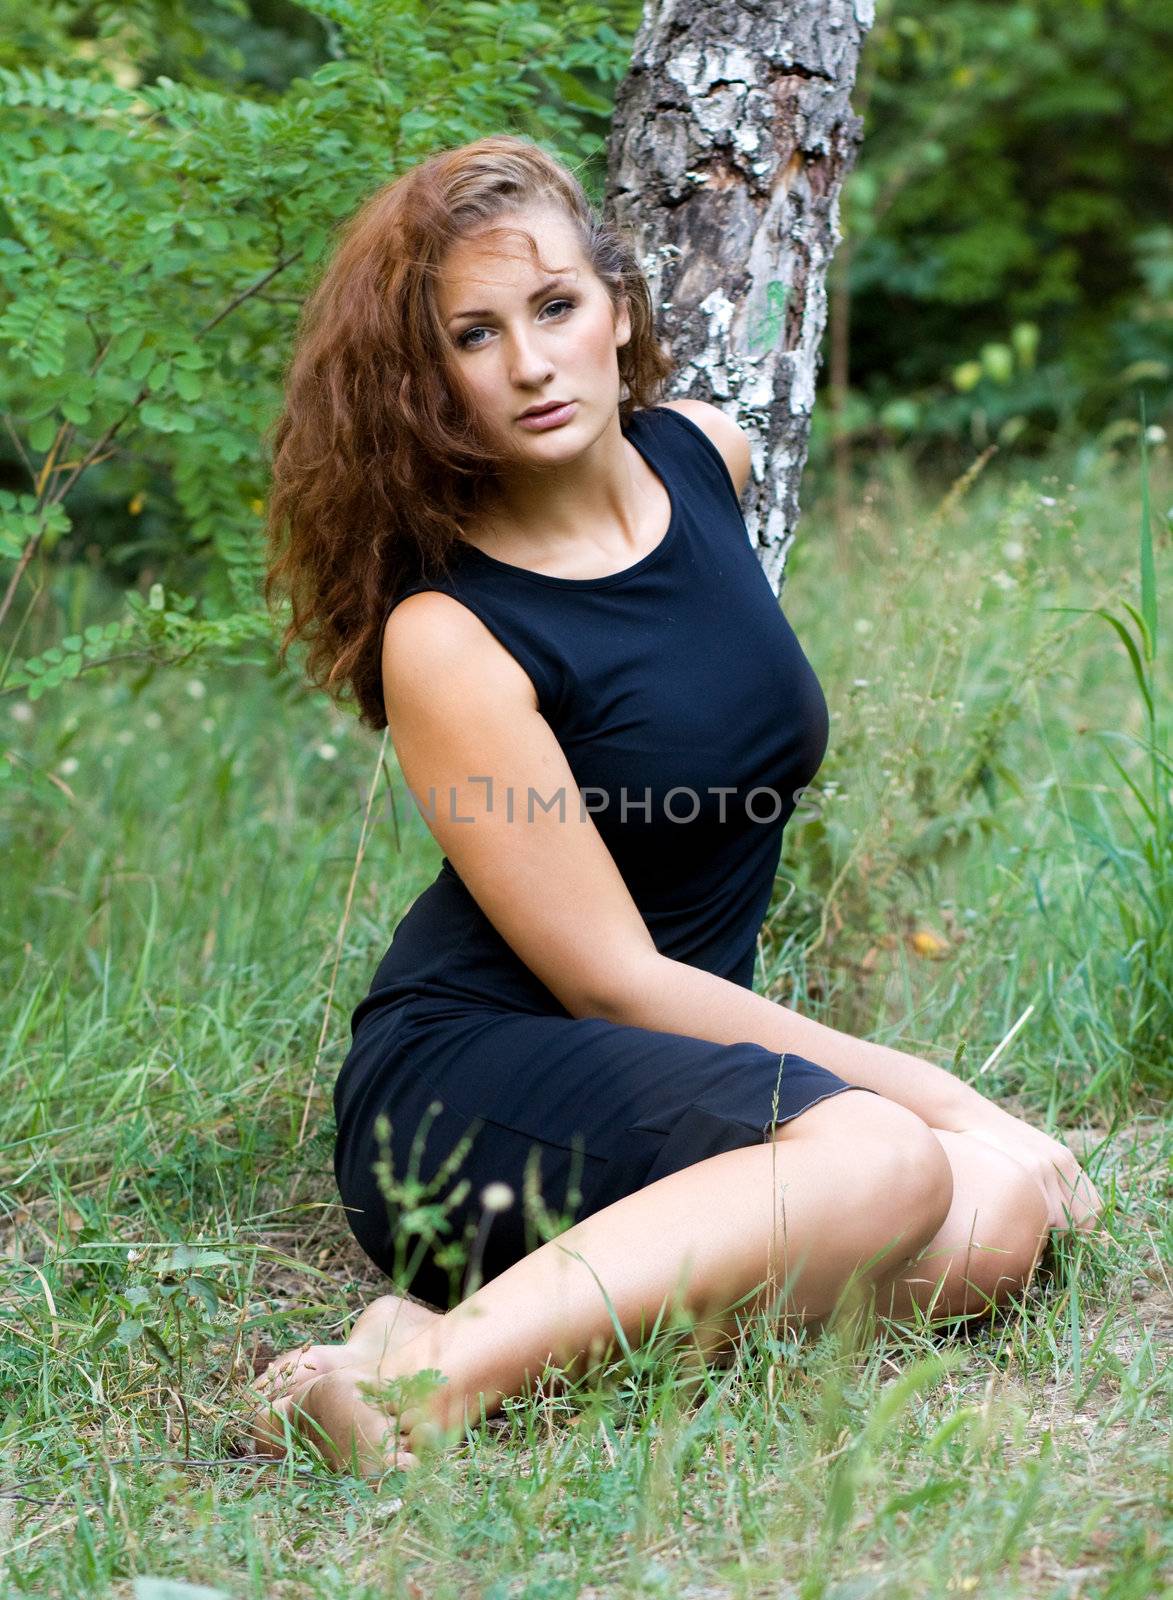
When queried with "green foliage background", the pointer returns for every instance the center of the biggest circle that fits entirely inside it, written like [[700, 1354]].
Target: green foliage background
[[171, 175], [1008, 247], [160, 229]]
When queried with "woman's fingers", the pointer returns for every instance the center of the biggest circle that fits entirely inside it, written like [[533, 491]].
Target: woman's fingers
[[1072, 1198], [300, 1366], [1083, 1203], [289, 1413], [328, 1412], [277, 1394]]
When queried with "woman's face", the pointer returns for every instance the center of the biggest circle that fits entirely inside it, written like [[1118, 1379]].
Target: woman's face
[[525, 332]]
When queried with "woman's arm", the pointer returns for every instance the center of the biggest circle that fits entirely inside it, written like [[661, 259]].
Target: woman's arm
[[653, 991], [673, 997]]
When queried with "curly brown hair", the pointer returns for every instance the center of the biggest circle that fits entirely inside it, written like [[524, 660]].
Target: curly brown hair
[[377, 459]]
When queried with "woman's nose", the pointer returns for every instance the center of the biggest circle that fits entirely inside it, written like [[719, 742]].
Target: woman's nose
[[529, 365]]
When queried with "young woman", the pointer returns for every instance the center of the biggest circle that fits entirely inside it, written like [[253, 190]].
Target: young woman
[[498, 537]]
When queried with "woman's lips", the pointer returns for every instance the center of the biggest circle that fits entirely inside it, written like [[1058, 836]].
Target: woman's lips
[[553, 418]]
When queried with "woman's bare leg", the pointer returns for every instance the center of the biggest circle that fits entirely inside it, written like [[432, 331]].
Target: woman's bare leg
[[849, 1191], [988, 1246]]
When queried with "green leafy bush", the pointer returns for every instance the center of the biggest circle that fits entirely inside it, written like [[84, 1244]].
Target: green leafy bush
[[157, 239]]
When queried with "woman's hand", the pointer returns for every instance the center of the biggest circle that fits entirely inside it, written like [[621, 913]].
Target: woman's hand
[[1072, 1199]]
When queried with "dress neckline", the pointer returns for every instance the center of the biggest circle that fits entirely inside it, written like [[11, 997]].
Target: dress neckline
[[669, 537]]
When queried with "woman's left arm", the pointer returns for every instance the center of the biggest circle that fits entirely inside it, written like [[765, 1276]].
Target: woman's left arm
[[945, 1102], [658, 992]]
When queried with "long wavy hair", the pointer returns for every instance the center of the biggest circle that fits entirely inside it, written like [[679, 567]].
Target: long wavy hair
[[378, 461]]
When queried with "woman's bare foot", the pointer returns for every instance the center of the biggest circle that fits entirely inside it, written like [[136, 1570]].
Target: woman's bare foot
[[363, 1421], [385, 1404], [281, 1390]]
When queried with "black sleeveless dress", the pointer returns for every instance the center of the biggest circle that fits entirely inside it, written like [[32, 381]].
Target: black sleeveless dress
[[691, 720]]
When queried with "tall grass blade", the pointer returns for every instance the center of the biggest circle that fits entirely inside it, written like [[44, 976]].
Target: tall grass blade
[[1148, 570]]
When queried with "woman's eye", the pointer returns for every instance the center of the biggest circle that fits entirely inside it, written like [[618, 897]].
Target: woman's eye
[[467, 342]]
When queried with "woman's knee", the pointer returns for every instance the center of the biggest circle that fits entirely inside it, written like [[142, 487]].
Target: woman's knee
[[895, 1155], [1005, 1218]]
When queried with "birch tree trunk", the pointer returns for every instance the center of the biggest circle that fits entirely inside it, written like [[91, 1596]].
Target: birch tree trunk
[[732, 134]]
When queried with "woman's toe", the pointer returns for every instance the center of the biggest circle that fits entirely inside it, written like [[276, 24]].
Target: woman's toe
[[269, 1425], [351, 1432], [285, 1372]]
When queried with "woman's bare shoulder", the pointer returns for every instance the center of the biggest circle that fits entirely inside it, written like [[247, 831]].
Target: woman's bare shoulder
[[431, 635], [727, 435]]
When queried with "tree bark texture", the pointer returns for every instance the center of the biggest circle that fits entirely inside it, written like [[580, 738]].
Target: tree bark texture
[[732, 135]]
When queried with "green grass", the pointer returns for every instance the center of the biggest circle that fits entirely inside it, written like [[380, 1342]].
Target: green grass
[[178, 854]]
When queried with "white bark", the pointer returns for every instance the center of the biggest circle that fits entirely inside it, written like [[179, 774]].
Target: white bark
[[732, 135]]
